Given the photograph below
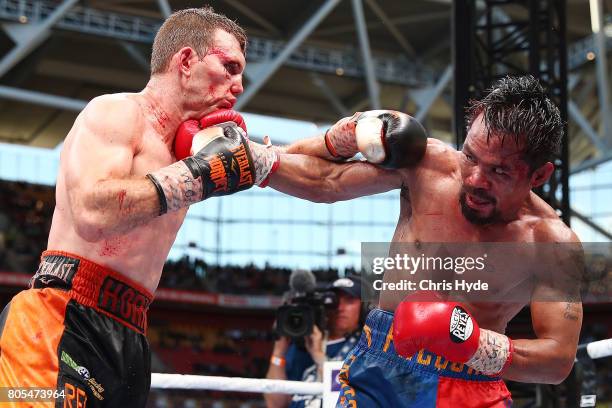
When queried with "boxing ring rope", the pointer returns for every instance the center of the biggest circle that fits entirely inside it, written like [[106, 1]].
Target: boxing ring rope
[[203, 382], [596, 349], [590, 351], [585, 371]]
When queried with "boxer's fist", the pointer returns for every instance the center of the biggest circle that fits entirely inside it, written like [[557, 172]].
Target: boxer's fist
[[223, 115], [184, 138], [264, 158], [449, 330], [444, 328], [390, 139], [183, 141], [223, 163], [340, 139]]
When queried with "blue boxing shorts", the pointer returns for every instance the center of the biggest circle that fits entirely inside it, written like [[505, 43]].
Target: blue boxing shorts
[[374, 375]]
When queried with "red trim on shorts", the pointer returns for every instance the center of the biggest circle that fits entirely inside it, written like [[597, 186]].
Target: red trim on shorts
[[108, 292]]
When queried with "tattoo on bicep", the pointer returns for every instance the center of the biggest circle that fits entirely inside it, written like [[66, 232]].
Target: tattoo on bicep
[[569, 313]]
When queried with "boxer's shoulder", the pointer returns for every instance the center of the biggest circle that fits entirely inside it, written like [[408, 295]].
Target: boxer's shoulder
[[551, 229], [111, 109], [546, 224], [440, 157], [437, 147], [114, 103], [113, 117]]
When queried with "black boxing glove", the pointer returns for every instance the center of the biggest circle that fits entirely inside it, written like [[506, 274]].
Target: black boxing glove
[[222, 166], [390, 139]]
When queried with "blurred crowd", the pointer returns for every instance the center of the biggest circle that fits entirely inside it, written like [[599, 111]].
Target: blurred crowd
[[207, 350], [25, 219], [193, 273], [26, 211]]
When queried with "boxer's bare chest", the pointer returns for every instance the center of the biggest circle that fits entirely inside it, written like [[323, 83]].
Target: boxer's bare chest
[[431, 224]]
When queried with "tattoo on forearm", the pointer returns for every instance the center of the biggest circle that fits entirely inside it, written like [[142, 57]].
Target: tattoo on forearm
[[492, 354], [179, 186]]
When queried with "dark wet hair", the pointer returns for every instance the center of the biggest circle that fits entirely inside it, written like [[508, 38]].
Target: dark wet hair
[[518, 107]]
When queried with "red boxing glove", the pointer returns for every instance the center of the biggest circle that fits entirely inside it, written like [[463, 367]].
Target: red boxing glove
[[220, 116], [187, 130], [449, 330], [444, 328]]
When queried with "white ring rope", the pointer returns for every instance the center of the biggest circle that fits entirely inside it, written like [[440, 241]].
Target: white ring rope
[[599, 349], [203, 382], [596, 349]]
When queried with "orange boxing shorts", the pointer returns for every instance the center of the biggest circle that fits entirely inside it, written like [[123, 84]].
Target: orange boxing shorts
[[75, 338]]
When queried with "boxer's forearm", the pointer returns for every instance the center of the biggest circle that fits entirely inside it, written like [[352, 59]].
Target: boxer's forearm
[[114, 207], [322, 181], [313, 146], [544, 361]]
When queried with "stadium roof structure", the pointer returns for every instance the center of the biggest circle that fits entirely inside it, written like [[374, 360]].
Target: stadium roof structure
[[314, 60]]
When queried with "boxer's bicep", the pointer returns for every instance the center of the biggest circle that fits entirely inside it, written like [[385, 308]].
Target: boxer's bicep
[[556, 308], [559, 321], [550, 356], [96, 166], [321, 180]]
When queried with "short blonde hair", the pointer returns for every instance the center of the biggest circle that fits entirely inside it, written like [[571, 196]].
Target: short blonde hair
[[194, 28]]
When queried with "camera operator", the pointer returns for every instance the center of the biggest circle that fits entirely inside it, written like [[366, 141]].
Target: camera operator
[[290, 361]]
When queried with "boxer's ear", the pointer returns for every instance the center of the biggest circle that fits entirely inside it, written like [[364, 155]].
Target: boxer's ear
[[541, 175], [186, 57]]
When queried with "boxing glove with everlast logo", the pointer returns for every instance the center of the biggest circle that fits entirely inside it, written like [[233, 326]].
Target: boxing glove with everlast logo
[[184, 139], [449, 330], [222, 165], [189, 140], [388, 138]]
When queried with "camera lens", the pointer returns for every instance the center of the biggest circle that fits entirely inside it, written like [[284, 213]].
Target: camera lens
[[295, 320]]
